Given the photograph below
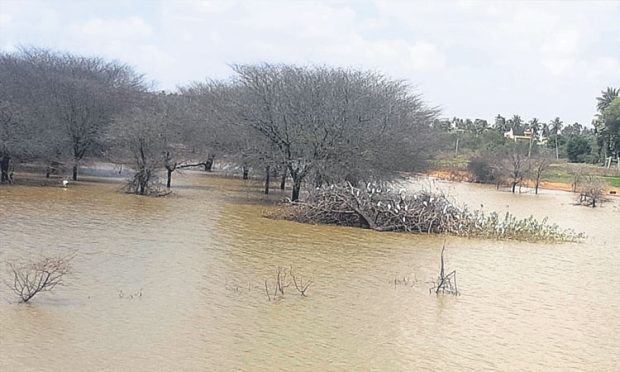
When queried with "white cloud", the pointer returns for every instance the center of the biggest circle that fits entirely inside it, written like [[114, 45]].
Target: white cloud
[[512, 55], [425, 56], [563, 42], [125, 29], [560, 66], [5, 20]]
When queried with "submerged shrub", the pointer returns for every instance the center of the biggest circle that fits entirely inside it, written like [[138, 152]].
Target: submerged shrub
[[383, 209]]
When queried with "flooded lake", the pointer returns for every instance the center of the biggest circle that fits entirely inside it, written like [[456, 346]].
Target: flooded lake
[[178, 284]]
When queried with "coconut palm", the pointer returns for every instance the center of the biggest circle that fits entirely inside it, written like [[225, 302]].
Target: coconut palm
[[534, 126], [606, 97], [555, 126], [517, 123]]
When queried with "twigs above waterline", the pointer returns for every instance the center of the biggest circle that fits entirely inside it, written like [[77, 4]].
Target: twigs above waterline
[[282, 281], [38, 276], [146, 183], [445, 283], [383, 209]]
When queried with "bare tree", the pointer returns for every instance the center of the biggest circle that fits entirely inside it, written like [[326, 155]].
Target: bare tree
[[21, 135], [35, 277], [539, 164], [591, 191], [211, 131], [516, 164], [77, 96], [333, 124], [446, 283], [7, 134], [577, 178], [143, 135]]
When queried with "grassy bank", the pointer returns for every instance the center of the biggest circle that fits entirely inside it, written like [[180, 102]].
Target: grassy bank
[[558, 176]]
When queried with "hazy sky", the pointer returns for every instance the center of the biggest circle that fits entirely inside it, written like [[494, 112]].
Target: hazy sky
[[473, 59]]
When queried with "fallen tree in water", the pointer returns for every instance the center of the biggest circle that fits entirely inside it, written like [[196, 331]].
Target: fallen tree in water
[[383, 209]]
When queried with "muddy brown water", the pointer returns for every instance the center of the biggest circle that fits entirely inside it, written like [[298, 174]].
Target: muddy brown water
[[200, 259]]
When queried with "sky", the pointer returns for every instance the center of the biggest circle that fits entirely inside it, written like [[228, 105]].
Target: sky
[[472, 59]]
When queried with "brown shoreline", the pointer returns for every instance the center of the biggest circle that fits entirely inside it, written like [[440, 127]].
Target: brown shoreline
[[460, 176]]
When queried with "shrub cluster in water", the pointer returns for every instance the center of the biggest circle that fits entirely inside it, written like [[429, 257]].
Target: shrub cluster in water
[[384, 209]]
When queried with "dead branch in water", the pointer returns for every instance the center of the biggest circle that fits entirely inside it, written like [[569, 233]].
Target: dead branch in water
[[301, 287], [445, 284], [281, 283], [42, 275], [267, 290], [405, 281]]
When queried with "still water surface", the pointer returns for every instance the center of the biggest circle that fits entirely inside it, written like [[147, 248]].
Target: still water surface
[[201, 257]]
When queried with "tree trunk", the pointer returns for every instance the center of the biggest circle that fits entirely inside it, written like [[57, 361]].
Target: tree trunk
[[514, 186], [456, 149], [209, 162], [283, 181], [318, 181], [75, 172], [296, 188], [536, 186], [141, 183], [144, 178], [5, 162], [267, 180], [169, 177], [557, 153], [246, 173]]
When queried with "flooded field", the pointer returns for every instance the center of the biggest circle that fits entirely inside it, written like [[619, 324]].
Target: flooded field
[[178, 284]]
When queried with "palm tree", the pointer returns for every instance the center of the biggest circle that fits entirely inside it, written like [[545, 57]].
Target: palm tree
[[534, 126], [602, 135], [554, 127], [517, 123], [606, 97], [544, 130], [500, 123]]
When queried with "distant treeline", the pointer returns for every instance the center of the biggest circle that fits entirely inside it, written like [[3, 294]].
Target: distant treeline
[[575, 142]]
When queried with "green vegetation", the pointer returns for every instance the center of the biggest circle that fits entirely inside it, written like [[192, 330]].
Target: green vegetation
[[611, 181], [460, 162], [565, 173]]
